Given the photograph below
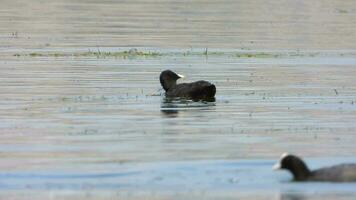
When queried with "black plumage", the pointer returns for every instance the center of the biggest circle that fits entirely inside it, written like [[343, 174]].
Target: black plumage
[[195, 90], [301, 172]]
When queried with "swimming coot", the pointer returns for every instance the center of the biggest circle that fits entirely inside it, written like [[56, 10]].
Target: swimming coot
[[300, 171], [199, 90]]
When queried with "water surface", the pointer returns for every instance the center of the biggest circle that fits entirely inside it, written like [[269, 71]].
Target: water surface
[[76, 125]]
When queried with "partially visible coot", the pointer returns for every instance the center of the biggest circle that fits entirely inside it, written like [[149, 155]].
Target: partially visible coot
[[300, 171], [199, 90]]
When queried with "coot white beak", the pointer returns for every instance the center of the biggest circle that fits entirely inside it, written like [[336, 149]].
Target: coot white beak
[[277, 166], [285, 154], [180, 76]]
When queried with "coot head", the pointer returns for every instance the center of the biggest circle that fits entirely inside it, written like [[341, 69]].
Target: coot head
[[295, 165], [169, 79]]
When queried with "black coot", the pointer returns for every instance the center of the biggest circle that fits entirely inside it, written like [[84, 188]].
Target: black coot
[[199, 90], [300, 171]]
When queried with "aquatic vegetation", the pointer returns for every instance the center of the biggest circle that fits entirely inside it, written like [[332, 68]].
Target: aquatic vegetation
[[257, 55], [97, 54], [35, 54], [342, 11], [135, 53], [124, 54]]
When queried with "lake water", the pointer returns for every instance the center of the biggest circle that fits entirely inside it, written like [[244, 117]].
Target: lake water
[[83, 116]]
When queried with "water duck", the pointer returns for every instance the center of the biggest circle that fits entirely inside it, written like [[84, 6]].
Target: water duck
[[199, 90], [301, 172]]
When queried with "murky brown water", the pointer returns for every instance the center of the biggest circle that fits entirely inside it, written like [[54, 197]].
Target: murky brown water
[[94, 127]]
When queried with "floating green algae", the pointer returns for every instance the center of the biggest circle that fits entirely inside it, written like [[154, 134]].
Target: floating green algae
[[97, 54], [35, 54], [134, 53], [343, 11], [257, 55], [124, 54]]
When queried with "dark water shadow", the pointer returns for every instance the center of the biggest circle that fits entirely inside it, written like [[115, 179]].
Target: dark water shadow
[[291, 196], [170, 107]]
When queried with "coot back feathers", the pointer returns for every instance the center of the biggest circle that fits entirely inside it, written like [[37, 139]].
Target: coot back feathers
[[195, 90], [300, 171]]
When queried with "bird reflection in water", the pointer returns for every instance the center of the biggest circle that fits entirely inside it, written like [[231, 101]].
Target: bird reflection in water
[[170, 107]]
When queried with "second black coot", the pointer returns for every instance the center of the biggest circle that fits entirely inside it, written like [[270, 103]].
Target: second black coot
[[300, 171], [199, 90]]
